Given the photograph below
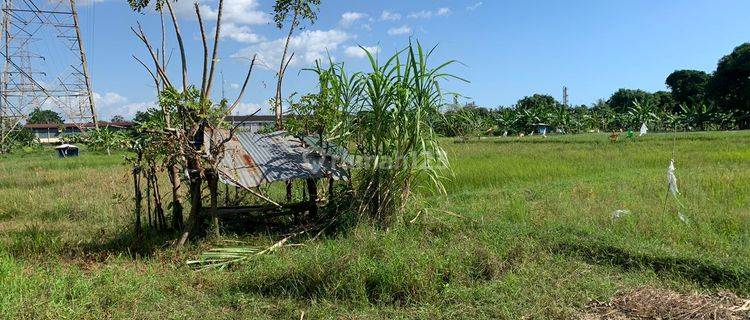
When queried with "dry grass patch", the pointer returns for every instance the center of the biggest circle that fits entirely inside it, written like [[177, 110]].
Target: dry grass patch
[[654, 303]]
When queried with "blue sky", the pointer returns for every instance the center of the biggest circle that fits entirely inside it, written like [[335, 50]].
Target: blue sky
[[510, 49]]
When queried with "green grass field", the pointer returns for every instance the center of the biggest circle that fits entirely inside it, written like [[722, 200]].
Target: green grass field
[[526, 230]]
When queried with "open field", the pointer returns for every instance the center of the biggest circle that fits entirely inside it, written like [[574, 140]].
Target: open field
[[526, 230]]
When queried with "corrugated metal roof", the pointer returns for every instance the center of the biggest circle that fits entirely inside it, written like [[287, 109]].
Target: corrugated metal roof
[[251, 159]]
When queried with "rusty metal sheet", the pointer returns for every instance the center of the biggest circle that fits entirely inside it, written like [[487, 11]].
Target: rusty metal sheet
[[251, 160]]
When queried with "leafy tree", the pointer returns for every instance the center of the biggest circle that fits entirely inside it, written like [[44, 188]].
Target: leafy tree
[[664, 101], [44, 117], [730, 85], [535, 109], [295, 11], [698, 116], [117, 118], [106, 139], [469, 121], [528, 118], [581, 119], [313, 114], [505, 119], [21, 138], [196, 117], [688, 86], [603, 116], [642, 112], [623, 99], [538, 102], [561, 119]]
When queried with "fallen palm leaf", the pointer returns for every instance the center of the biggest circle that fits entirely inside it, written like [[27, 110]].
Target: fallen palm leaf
[[223, 257]]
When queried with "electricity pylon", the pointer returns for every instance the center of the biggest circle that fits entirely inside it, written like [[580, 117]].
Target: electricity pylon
[[32, 29]]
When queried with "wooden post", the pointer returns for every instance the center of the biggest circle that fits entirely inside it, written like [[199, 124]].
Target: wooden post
[[213, 188], [158, 208], [174, 178], [148, 199], [330, 188], [288, 190], [312, 192], [226, 194], [137, 193], [196, 200]]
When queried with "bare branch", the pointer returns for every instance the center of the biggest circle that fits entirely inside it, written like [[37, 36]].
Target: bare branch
[[287, 65], [141, 35], [180, 43], [153, 76], [216, 48], [277, 107], [205, 52], [164, 61], [244, 85]]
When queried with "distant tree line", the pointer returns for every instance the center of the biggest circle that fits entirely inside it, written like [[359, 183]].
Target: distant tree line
[[696, 101]]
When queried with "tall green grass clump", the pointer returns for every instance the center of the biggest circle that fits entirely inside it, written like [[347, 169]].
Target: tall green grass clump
[[391, 107]]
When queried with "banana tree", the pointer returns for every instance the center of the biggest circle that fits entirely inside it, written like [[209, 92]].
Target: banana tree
[[640, 113], [698, 116]]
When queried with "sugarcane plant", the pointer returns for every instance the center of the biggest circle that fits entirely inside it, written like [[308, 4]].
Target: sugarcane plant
[[391, 109]]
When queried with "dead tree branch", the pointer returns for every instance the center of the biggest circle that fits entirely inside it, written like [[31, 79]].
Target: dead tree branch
[[215, 53], [244, 86], [180, 43], [205, 51]]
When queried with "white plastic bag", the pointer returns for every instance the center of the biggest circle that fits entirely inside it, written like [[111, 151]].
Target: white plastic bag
[[672, 179], [621, 213], [644, 130]]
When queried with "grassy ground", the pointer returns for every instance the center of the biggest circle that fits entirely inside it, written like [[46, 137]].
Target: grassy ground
[[525, 231]]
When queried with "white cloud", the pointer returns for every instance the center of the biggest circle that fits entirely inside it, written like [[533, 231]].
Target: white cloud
[[111, 104], [350, 17], [236, 11], [357, 52], [129, 110], [108, 99], [240, 33], [400, 30], [426, 14], [389, 16], [88, 2], [443, 11], [308, 46], [237, 15], [474, 6], [234, 86], [245, 108]]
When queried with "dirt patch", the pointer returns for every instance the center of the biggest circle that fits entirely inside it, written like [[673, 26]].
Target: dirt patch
[[654, 303]]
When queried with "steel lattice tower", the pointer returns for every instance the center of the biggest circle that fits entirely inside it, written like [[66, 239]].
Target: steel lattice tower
[[30, 30]]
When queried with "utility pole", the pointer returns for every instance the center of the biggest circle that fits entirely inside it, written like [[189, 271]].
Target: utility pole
[[565, 96]]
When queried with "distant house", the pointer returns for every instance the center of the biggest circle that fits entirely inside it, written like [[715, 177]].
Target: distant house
[[251, 123], [51, 133]]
